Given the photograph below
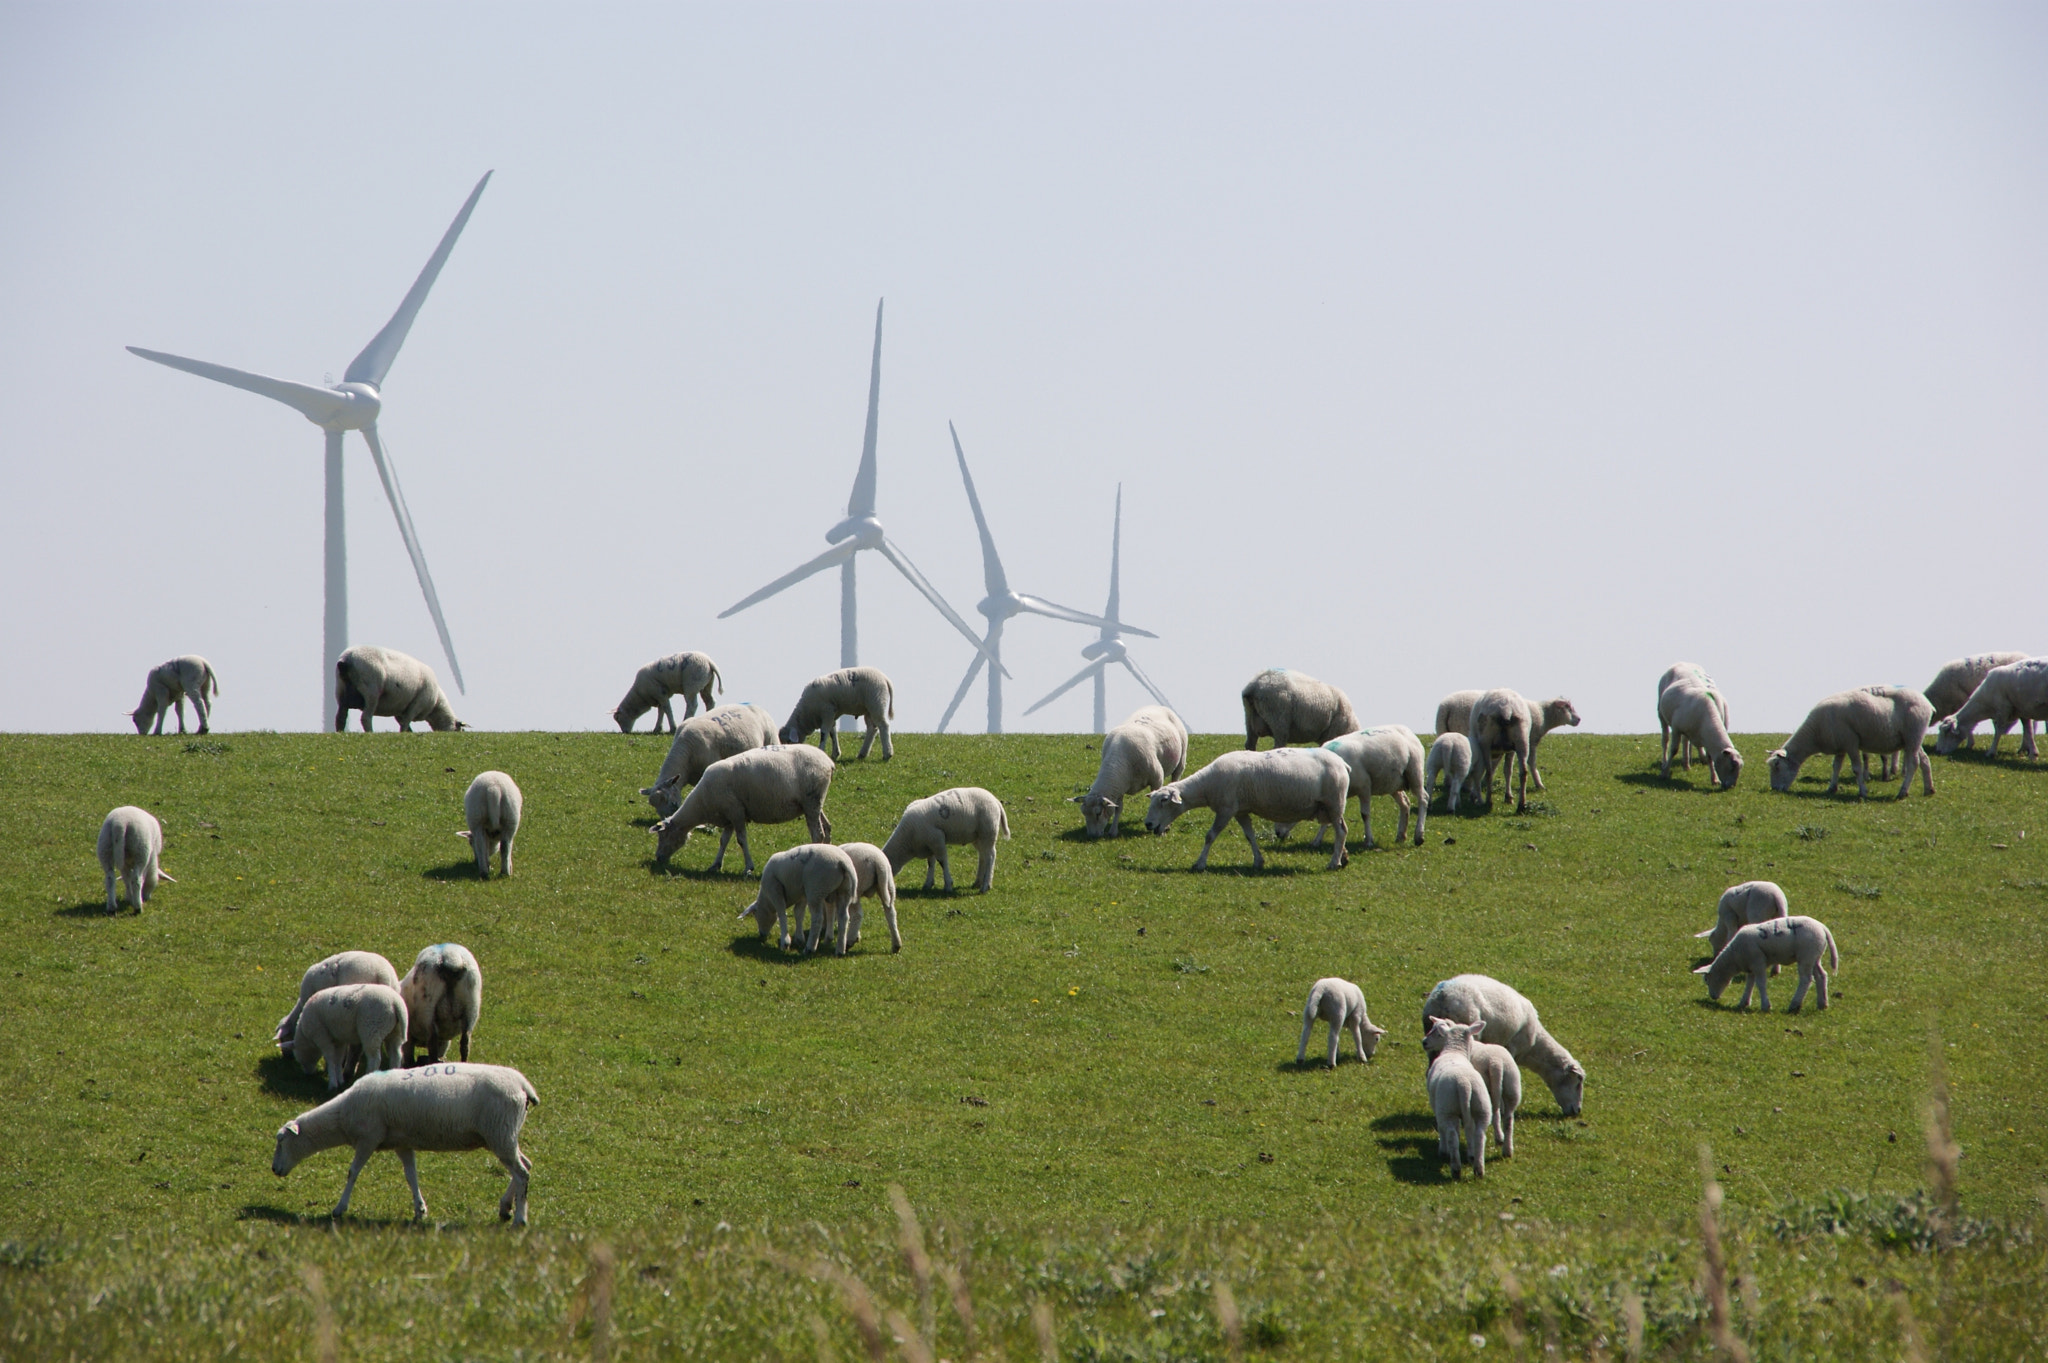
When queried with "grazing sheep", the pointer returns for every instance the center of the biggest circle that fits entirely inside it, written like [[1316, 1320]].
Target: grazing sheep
[[817, 877], [130, 846], [863, 692], [1875, 719], [1694, 715], [1688, 672], [1496, 1065], [1753, 901], [1956, 680], [1141, 754], [1777, 942], [344, 967], [1457, 1095], [441, 1107], [2015, 691], [383, 681], [1511, 1021], [169, 686], [491, 805], [1341, 1004], [1450, 754], [1293, 707], [877, 879], [963, 814], [711, 737], [689, 675], [1454, 712], [350, 1023], [444, 994], [1502, 722], [764, 785], [1384, 761], [1282, 784]]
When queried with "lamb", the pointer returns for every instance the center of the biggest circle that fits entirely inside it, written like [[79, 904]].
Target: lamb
[[711, 737], [1497, 1068], [383, 681], [1457, 1094], [1454, 712], [1384, 761], [1450, 754], [963, 814], [1875, 719], [1678, 672], [350, 1023], [1694, 715], [491, 805], [1141, 754], [816, 876], [1956, 680], [441, 1107], [170, 685], [1293, 707], [765, 785], [1753, 901], [877, 879], [344, 967], [863, 692], [1777, 942], [130, 845], [689, 675], [2014, 691], [444, 995], [1341, 1004], [1502, 721], [1511, 1021], [1282, 784]]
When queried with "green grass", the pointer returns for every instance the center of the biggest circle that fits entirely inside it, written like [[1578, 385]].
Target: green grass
[[1095, 1059]]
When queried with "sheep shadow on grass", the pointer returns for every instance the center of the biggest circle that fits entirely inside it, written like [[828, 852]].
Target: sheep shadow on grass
[[278, 1216], [281, 1075], [1680, 781], [93, 908], [454, 870], [765, 951]]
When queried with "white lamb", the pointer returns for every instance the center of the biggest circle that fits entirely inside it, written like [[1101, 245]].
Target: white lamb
[[1387, 760], [711, 737], [877, 881], [1753, 901], [131, 846], [1454, 712], [351, 1023], [343, 967], [2015, 691], [765, 785], [1457, 1095], [1511, 1021], [1141, 754], [1450, 755], [964, 814], [444, 994], [491, 805], [1503, 722], [1957, 679], [383, 681], [1341, 1004], [1286, 785], [169, 686], [863, 692], [1293, 707], [440, 1107], [1688, 672], [1875, 719], [1497, 1067], [1781, 941], [819, 879], [1692, 714], [689, 675]]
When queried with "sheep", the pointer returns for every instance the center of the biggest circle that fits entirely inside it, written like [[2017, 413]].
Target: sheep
[[2014, 691], [689, 675], [711, 737], [863, 692], [1497, 1067], [1692, 714], [131, 844], [169, 686], [444, 994], [764, 785], [349, 1023], [877, 878], [344, 967], [491, 805], [1383, 761], [1141, 754], [383, 681], [1341, 1004], [963, 814], [1293, 707], [440, 1107], [1876, 719], [1282, 784], [1957, 679], [1457, 1095], [1454, 712], [1777, 942], [816, 876], [1688, 672], [1450, 754], [1502, 721], [1511, 1021], [1753, 901]]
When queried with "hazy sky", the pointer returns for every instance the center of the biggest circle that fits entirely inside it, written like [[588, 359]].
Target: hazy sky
[[1435, 346]]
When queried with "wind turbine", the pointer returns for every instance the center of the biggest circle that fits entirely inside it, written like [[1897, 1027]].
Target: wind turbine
[[1001, 603], [1109, 648], [353, 405]]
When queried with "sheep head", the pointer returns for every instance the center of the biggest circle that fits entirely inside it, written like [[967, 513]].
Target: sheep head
[[1559, 713], [1166, 805], [1570, 1090], [1727, 767], [1949, 737], [1372, 1038], [1101, 813], [291, 1148], [1783, 770]]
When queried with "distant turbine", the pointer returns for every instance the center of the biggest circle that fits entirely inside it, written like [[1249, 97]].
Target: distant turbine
[[353, 405], [1108, 649], [1001, 603]]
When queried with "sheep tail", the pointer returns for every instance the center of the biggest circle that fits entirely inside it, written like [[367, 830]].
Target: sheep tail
[[532, 1098], [212, 681], [1708, 933], [892, 700], [1834, 956], [1003, 815], [717, 680]]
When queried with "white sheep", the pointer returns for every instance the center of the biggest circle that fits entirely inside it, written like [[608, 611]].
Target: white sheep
[[964, 814], [1341, 1004], [169, 686], [1874, 719], [1497, 1068], [491, 806], [820, 880], [689, 675], [440, 1107], [1753, 901], [1777, 942], [1450, 755], [1511, 1021], [863, 692], [131, 846], [1286, 785], [1141, 754], [1957, 679], [2013, 692], [1293, 707], [1695, 716], [1458, 1097], [349, 1023], [444, 995], [711, 737], [877, 881], [383, 681], [1688, 672], [1387, 760], [1502, 721], [343, 967], [1454, 712], [764, 785]]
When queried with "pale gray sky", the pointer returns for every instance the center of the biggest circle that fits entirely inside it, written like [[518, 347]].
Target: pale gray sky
[[1435, 346]]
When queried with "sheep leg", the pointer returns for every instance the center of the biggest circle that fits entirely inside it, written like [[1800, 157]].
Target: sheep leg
[[370, 699], [1336, 1039], [113, 904], [1522, 789], [888, 743], [1997, 733], [867, 740], [930, 862], [1244, 821], [513, 1202], [180, 703], [1820, 975], [465, 1046], [1749, 982], [348, 1189], [1421, 801], [724, 837], [831, 731], [746, 852], [1358, 1039], [1836, 779], [1365, 817], [1536, 772], [663, 713], [985, 863], [1861, 761], [1308, 1025], [1926, 772], [1340, 855], [1664, 747], [505, 856], [945, 868], [1475, 1139], [1400, 832], [201, 709], [412, 1181]]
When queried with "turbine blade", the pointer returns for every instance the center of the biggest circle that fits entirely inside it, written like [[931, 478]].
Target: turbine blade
[[908, 569], [1069, 684], [991, 566], [375, 361], [318, 405], [973, 671], [839, 553], [1146, 682], [1116, 555], [1038, 605], [862, 502], [392, 492]]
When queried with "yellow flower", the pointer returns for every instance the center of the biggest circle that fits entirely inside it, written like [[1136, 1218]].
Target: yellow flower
[[1034, 1000], [1072, 992]]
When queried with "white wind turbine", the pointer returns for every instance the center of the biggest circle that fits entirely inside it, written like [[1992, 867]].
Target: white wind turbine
[[1109, 648], [1001, 603], [353, 405]]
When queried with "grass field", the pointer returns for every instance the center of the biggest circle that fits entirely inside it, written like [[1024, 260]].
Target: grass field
[[1088, 1069]]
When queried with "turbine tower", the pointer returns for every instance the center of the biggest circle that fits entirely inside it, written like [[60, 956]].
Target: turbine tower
[[1109, 648], [353, 405], [1001, 603]]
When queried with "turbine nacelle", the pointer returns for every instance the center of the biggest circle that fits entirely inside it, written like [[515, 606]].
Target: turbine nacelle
[[865, 531], [360, 409], [1113, 649]]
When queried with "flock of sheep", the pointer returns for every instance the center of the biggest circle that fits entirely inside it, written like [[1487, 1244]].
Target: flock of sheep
[[363, 1024]]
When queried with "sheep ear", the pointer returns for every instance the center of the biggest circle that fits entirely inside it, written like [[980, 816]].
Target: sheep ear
[[462, 833], [1708, 933], [1376, 1031], [292, 1126], [1702, 969]]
